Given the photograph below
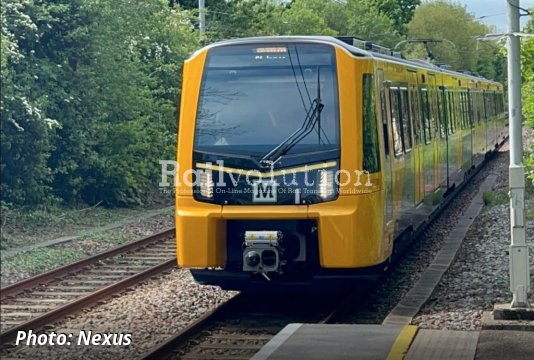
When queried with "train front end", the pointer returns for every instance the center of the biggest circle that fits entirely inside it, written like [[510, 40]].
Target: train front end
[[271, 187]]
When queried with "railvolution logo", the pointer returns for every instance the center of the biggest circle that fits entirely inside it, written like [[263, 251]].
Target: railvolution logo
[[264, 185]]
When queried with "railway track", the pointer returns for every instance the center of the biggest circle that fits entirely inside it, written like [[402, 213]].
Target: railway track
[[240, 327], [43, 299]]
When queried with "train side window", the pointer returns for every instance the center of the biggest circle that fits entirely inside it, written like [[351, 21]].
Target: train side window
[[461, 110], [415, 115], [406, 123], [450, 112], [454, 104], [457, 111], [425, 111], [480, 107], [442, 114], [384, 118], [484, 106], [395, 120], [471, 110], [465, 110], [474, 109], [371, 158]]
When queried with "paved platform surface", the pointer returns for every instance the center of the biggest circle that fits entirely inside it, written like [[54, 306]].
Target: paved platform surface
[[389, 342]]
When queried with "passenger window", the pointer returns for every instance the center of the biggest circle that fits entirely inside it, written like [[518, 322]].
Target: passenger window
[[415, 115], [425, 111], [450, 111], [395, 120], [405, 120], [464, 110], [371, 158], [442, 115], [384, 118]]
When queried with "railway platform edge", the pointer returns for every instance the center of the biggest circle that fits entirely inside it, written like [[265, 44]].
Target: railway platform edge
[[394, 342]]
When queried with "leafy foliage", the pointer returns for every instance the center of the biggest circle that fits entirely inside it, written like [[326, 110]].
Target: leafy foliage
[[89, 92], [527, 69], [398, 11], [451, 22], [90, 87], [25, 129]]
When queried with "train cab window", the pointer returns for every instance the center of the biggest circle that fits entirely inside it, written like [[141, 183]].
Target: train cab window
[[371, 158], [395, 120], [425, 112]]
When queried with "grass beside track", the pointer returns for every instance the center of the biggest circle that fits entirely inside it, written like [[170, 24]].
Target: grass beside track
[[18, 231], [24, 226]]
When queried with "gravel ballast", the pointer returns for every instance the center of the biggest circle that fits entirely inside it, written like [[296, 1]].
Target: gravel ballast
[[479, 277], [152, 312]]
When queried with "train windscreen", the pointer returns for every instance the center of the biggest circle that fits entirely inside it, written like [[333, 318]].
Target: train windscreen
[[268, 100]]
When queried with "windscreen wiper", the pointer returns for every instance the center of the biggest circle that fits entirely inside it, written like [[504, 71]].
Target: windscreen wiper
[[310, 121]]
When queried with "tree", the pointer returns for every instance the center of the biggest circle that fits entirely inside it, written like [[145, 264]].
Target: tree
[[527, 70], [366, 21], [108, 73], [126, 95], [302, 19], [26, 129], [328, 17], [242, 18], [444, 20], [400, 12]]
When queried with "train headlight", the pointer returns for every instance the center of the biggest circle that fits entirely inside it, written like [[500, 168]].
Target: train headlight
[[205, 183], [327, 186]]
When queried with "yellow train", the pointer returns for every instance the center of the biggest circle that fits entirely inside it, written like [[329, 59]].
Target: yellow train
[[304, 160]]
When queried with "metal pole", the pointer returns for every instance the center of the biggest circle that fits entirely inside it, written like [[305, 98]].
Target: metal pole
[[202, 17], [519, 267]]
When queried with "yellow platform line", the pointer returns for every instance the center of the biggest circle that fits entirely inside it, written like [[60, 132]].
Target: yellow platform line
[[402, 343]]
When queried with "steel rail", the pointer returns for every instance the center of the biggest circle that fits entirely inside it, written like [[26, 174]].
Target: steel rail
[[77, 304], [180, 338], [26, 284], [164, 350]]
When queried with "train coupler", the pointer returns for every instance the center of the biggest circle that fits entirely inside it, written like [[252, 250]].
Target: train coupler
[[262, 252]]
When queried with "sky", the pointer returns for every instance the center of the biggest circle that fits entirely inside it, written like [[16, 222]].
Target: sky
[[494, 11]]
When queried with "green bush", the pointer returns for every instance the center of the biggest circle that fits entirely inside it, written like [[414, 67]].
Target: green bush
[[498, 197]]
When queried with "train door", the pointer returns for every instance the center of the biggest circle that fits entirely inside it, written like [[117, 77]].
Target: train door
[[418, 147], [386, 135]]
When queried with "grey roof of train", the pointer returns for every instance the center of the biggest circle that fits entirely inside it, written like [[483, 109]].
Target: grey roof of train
[[350, 48]]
